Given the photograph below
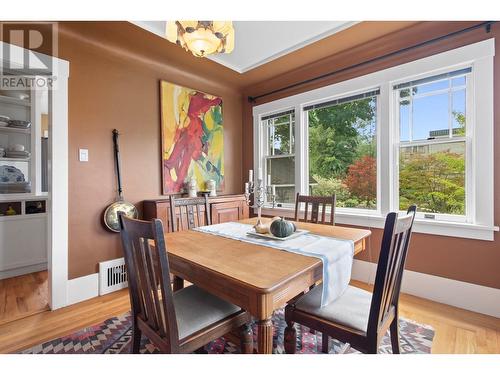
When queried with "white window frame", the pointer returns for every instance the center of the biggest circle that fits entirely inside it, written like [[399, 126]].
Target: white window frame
[[480, 195], [266, 155], [468, 139]]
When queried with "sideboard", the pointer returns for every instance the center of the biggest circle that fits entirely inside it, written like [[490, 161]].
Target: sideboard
[[223, 208]]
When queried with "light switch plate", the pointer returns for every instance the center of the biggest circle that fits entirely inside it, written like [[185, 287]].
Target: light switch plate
[[84, 154]]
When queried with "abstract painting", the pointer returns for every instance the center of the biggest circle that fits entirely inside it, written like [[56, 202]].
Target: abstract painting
[[192, 138]]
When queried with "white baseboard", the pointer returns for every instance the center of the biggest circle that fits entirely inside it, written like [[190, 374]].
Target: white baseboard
[[83, 288], [23, 270], [473, 297]]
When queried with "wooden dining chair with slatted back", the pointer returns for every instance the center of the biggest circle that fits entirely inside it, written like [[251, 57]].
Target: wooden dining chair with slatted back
[[179, 322], [318, 204], [185, 214], [189, 213], [358, 317]]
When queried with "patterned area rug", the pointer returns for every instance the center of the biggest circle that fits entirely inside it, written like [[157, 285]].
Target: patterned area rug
[[114, 337]]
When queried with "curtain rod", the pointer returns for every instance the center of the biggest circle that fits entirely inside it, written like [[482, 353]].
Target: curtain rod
[[486, 25]]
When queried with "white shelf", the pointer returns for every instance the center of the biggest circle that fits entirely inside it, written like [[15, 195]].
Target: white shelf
[[7, 129], [15, 101]]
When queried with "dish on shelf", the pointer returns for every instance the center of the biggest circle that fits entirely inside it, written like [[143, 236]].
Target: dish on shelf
[[17, 154], [20, 124], [15, 94], [4, 118], [10, 174]]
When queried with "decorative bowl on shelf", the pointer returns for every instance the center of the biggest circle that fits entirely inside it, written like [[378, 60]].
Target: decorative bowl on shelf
[[17, 154], [20, 124], [22, 95], [10, 174]]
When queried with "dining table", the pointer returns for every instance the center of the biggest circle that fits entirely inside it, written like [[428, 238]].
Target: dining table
[[257, 278]]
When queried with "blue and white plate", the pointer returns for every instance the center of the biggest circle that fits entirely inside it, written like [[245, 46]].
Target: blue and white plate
[[10, 174]]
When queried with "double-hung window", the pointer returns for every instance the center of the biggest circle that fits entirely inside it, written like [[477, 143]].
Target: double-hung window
[[418, 133], [280, 154], [434, 144], [342, 150]]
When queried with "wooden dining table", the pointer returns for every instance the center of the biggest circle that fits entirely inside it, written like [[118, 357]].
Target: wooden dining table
[[257, 278]]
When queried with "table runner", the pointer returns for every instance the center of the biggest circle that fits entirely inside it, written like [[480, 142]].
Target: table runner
[[336, 254]]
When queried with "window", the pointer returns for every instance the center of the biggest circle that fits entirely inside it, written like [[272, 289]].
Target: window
[[433, 143], [343, 150], [418, 133], [280, 154]]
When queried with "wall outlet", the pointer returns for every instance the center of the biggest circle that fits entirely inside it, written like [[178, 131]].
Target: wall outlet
[[84, 154]]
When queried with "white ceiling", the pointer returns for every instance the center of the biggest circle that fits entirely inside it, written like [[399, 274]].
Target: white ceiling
[[258, 42]]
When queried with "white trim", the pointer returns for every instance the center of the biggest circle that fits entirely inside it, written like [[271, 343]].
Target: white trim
[[472, 297], [374, 220], [82, 288], [480, 179], [57, 202], [58, 188]]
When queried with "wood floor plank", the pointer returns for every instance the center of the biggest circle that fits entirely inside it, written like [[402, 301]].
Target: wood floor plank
[[456, 330], [22, 296]]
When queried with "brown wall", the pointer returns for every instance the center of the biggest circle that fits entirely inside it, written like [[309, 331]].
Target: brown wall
[[461, 259], [115, 69]]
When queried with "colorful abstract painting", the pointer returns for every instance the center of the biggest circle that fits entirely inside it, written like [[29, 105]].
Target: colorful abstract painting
[[192, 138]]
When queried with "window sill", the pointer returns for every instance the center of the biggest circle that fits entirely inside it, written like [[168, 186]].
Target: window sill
[[434, 227]]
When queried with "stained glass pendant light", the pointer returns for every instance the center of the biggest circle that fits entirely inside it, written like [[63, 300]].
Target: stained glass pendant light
[[202, 38]]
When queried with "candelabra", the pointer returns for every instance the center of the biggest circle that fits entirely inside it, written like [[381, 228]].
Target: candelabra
[[261, 193]]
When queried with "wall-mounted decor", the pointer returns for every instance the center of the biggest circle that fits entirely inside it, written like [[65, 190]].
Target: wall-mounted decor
[[192, 138]]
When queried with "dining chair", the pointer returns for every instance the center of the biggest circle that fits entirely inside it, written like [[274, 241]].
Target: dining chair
[[358, 317], [189, 213], [175, 322], [315, 202]]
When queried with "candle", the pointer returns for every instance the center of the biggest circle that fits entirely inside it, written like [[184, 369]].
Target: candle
[[274, 190], [250, 175], [259, 174], [268, 179], [246, 187]]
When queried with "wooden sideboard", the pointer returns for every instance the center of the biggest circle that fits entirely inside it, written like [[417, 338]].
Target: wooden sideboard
[[223, 208]]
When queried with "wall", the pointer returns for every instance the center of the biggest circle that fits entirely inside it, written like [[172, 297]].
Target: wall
[[460, 259], [115, 69]]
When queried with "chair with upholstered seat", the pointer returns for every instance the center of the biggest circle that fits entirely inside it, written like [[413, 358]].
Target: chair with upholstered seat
[[358, 317], [319, 206], [179, 322]]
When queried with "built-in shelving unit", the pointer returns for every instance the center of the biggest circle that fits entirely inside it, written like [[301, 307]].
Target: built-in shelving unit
[[23, 205]]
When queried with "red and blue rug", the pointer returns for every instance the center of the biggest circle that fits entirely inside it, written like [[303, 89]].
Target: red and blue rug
[[114, 337]]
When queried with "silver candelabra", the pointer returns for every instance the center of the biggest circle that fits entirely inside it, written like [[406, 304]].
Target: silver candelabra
[[261, 192]]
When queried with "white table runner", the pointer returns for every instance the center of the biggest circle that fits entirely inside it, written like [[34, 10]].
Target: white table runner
[[336, 254]]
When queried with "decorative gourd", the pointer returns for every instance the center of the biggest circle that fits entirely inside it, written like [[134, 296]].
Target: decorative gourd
[[282, 228], [261, 227]]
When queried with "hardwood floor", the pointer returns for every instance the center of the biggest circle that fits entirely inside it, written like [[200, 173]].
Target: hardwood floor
[[22, 296], [457, 330]]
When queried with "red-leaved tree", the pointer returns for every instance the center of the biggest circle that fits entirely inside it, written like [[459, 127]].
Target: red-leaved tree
[[361, 179]]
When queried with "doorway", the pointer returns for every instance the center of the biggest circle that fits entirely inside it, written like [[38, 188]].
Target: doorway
[[36, 280]]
